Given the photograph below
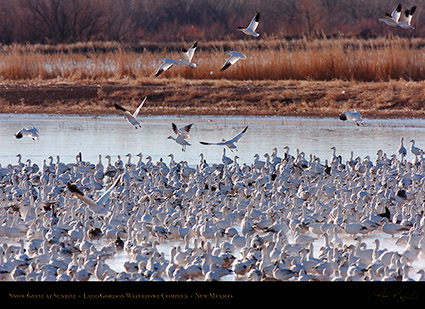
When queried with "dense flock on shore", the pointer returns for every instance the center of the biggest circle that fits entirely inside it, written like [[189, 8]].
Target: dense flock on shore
[[284, 217]]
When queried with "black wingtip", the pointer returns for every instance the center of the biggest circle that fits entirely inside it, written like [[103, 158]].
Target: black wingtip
[[225, 66], [399, 7], [412, 10], [73, 188], [257, 17], [158, 73], [119, 107], [174, 127], [343, 117], [18, 135], [195, 44], [244, 130]]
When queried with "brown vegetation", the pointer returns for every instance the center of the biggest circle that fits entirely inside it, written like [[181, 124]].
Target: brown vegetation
[[318, 59], [70, 21], [217, 97]]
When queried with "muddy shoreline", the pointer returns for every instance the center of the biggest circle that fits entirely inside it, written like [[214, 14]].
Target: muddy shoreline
[[393, 99]]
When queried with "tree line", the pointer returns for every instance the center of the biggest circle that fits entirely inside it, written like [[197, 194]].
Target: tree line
[[70, 21]]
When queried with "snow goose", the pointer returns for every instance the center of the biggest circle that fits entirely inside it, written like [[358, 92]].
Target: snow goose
[[402, 150], [406, 19], [184, 131], [28, 132], [353, 116], [393, 18], [392, 228], [231, 143], [234, 57], [95, 206], [166, 64], [188, 55], [415, 150], [182, 135], [181, 141], [131, 118], [250, 30]]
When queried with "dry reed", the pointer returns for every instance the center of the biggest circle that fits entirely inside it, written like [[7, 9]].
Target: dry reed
[[344, 59]]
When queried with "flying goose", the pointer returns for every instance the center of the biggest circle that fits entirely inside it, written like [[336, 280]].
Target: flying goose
[[234, 57], [231, 143], [131, 118], [166, 64], [182, 135], [188, 55], [392, 19], [250, 30], [354, 116], [406, 18], [27, 132], [95, 206]]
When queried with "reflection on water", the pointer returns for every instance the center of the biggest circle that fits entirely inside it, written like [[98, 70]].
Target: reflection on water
[[66, 136]]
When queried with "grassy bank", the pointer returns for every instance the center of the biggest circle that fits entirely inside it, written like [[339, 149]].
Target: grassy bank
[[216, 97]]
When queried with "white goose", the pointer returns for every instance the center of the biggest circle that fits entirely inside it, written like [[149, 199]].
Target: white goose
[[131, 118], [250, 30], [188, 55], [353, 116], [166, 64], [28, 132], [393, 18], [95, 206], [234, 57], [415, 150], [231, 143], [402, 150], [181, 141], [406, 19]]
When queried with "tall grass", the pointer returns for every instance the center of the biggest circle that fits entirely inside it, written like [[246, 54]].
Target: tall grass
[[381, 59]]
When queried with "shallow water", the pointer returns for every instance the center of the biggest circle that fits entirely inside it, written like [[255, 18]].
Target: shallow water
[[68, 135]]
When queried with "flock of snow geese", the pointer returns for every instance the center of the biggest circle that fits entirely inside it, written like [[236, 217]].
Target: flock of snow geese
[[284, 218]]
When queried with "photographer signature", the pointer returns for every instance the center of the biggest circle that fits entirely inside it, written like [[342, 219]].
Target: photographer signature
[[393, 295]]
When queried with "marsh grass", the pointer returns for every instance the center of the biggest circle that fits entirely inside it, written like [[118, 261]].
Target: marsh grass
[[381, 59]]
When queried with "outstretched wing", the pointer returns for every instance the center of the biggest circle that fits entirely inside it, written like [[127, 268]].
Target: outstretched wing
[[101, 200], [138, 109], [254, 22], [188, 54], [238, 136]]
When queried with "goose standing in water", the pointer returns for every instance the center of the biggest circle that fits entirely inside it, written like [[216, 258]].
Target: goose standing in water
[[28, 132], [131, 118], [250, 30], [415, 150], [402, 150], [231, 143]]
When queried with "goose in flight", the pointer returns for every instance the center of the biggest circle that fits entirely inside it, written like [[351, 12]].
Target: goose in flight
[[234, 57], [182, 131], [354, 116], [28, 132], [188, 55], [182, 135], [166, 64], [231, 143], [392, 19], [406, 18], [95, 206], [131, 118], [250, 30]]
